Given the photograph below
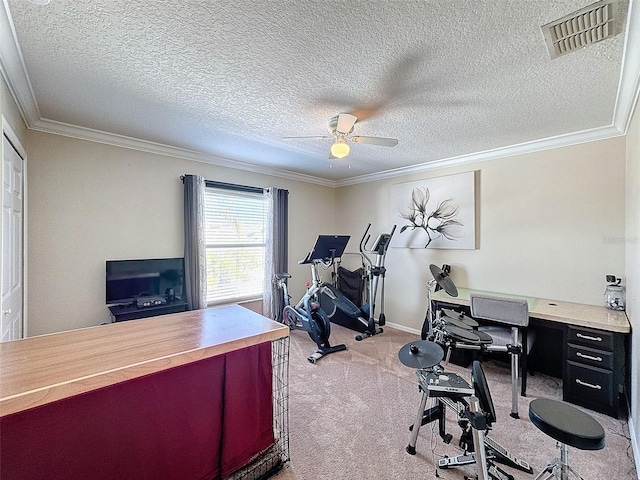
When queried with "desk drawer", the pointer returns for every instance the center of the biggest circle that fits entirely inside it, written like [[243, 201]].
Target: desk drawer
[[590, 356], [590, 386], [591, 338]]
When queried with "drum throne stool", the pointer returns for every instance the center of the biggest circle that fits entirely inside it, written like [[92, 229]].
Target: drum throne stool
[[569, 427]]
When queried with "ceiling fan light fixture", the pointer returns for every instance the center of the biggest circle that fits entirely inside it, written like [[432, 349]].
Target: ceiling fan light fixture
[[340, 148]]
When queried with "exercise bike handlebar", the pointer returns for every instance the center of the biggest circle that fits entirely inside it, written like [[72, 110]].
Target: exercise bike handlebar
[[307, 260]]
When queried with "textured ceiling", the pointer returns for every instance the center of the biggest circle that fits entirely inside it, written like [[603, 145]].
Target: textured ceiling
[[229, 79]]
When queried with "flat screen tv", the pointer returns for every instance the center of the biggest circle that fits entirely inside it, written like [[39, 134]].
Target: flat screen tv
[[127, 280]]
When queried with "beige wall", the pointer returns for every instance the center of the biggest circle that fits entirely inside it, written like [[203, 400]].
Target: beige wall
[[550, 224], [90, 202], [632, 267]]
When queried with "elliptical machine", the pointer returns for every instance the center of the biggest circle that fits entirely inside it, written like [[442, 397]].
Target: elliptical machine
[[375, 270], [343, 311], [307, 314]]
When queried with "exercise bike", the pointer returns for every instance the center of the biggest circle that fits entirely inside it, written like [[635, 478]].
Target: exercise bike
[[343, 311], [306, 314]]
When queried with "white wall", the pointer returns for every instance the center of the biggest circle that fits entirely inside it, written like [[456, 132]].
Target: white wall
[[632, 267], [550, 225], [90, 202]]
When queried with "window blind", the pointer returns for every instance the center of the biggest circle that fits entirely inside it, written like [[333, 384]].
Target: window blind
[[235, 244]]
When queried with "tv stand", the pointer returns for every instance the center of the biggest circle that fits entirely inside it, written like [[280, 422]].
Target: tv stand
[[122, 313]]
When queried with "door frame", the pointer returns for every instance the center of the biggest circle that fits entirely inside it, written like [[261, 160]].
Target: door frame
[[17, 145]]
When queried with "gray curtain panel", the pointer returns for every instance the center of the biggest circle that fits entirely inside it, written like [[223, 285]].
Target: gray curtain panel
[[277, 247], [195, 266]]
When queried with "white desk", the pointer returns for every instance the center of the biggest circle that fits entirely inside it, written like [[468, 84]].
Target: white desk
[[592, 353], [578, 314]]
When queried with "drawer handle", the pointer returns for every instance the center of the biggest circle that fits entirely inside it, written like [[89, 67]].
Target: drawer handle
[[587, 337], [580, 382], [589, 357]]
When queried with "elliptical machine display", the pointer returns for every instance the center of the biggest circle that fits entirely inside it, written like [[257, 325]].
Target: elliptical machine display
[[306, 314]]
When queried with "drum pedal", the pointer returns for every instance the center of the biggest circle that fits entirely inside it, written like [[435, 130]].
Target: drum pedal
[[466, 459], [456, 461]]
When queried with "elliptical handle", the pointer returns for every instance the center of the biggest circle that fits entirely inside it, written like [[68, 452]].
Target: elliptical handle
[[363, 243], [365, 238]]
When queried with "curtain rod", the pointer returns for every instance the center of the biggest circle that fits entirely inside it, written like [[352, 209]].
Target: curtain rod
[[231, 186]]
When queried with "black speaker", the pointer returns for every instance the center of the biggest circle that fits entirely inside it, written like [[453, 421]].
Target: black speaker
[[170, 294]]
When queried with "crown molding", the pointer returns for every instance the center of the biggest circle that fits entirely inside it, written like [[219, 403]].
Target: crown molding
[[13, 68], [510, 151], [83, 133], [629, 85]]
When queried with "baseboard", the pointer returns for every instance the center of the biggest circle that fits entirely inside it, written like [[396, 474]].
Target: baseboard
[[402, 328], [634, 442]]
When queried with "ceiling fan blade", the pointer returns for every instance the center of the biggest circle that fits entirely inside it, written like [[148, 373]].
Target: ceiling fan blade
[[346, 121], [384, 142], [324, 137]]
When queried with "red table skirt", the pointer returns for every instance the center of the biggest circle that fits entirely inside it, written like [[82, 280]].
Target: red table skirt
[[203, 420]]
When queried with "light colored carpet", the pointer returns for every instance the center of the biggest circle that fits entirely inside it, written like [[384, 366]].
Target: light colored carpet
[[349, 416]]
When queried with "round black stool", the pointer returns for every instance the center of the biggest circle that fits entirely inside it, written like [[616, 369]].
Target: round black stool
[[570, 427]]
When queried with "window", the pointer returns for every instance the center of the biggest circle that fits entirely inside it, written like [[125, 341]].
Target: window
[[235, 220]]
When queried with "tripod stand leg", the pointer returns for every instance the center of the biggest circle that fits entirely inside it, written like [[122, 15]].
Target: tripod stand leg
[[411, 448], [515, 357], [478, 440], [547, 471]]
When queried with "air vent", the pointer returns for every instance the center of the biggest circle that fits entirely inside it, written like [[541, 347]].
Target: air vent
[[586, 26]]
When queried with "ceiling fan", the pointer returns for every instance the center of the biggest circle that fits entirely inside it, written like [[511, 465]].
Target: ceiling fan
[[341, 129]]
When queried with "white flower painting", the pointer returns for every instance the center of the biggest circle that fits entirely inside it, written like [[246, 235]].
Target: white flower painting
[[435, 213]]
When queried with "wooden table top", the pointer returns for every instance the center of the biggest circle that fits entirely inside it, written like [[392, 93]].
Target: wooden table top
[[38, 370], [578, 314]]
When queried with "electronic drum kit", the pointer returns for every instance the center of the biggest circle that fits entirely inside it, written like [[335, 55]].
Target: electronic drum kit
[[451, 329]]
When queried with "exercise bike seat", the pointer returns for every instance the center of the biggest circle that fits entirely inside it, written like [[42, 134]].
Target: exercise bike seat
[[342, 302], [282, 276]]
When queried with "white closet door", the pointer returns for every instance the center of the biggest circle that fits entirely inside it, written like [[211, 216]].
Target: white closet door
[[11, 301]]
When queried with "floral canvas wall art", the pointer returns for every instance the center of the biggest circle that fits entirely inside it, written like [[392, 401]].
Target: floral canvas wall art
[[435, 213]]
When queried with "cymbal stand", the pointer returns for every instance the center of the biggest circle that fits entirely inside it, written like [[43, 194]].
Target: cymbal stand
[[427, 326]]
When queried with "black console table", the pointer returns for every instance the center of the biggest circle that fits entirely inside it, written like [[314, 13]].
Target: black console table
[[585, 345], [121, 313]]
